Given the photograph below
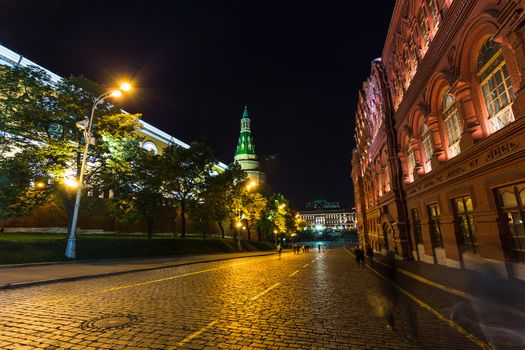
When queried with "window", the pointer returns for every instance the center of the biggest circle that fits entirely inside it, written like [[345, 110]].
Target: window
[[495, 85], [411, 163], [464, 224], [150, 147], [511, 206], [427, 146], [452, 124], [418, 235], [434, 214]]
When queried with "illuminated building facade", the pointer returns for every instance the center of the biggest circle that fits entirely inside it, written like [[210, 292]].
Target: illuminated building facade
[[439, 163], [245, 152], [335, 219]]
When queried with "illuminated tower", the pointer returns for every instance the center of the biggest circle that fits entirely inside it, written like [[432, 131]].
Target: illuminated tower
[[245, 153]]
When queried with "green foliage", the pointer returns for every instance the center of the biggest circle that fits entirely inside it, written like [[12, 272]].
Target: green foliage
[[185, 173], [38, 118], [21, 189], [137, 187], [15, 248]]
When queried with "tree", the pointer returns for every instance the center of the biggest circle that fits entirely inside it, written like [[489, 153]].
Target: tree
[[221, 191], [39, 117], [21, 190], [254, 206], [138, 189], [185, 173]]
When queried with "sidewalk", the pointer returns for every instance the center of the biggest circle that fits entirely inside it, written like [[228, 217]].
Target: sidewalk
[[464, 283], [15, 276]]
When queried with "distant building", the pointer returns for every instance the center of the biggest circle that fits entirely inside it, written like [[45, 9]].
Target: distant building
[[245, 152], [321, 218]]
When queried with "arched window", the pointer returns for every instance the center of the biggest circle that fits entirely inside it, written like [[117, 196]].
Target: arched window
[[426, 140], [150, 147], [495, 84], [411, 163], [452, 124]]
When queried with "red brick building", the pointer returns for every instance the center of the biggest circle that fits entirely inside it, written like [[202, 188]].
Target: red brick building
[[439, 164]]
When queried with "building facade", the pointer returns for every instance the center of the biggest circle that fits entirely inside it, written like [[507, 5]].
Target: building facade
[[335, 219], [245, 152], [439, 163]]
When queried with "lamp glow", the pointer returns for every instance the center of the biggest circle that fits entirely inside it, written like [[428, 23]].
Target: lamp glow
[[71, 183], [125, 86], [116, 93]]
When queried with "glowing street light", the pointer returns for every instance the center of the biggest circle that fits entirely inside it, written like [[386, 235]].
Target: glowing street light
[[71, 183], [40, 185], [71, 241], [251, 184], [282, 206]]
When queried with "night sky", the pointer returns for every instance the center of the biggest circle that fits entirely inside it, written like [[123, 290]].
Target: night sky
[[298, 67]]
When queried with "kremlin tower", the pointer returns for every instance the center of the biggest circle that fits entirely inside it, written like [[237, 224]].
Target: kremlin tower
[[245, 153]]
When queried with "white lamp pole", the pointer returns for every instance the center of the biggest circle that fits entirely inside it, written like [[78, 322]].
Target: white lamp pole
[[71, 241]]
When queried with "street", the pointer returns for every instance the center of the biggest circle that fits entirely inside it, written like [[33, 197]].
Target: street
[[312, 300]]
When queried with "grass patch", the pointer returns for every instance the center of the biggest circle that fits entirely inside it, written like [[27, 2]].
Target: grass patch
[[27, 248]]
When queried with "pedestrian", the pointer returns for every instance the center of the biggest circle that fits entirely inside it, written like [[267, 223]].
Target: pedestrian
[[370, 254], [318, 248], [303, 248], [279, 249], [295, 248], [359, 256]]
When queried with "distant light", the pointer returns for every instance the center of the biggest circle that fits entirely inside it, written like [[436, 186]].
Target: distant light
[[40, 184], [238, 224]]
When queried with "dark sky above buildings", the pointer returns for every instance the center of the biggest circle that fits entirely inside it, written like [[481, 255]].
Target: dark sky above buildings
[[298, 66]]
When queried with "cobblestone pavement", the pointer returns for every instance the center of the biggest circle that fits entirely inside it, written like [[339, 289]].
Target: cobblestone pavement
[[313, 300]]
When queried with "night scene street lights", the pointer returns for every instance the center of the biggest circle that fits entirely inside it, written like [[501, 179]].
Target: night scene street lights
[[71, 241]]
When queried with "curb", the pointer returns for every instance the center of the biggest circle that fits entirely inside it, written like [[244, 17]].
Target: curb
[[116, 273]]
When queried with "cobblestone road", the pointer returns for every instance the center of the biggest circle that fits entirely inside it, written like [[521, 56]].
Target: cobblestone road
[[313, 300]]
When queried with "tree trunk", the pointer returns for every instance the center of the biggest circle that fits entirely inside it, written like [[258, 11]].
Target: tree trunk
[[183, 219], [150, 228], [222, 228]]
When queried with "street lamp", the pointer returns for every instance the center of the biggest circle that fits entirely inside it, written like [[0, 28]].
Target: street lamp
[[71, 241], [251, 185]]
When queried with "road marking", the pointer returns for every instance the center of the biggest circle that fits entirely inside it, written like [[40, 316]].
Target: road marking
[[195, 334], [168, 278], [293, 274], [439, 315], [264, 292], [306, 265], [313, 260]]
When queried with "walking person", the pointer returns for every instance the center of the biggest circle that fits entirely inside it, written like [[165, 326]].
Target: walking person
[[279, 249], [359, 256], [370, 254], [318, 248]]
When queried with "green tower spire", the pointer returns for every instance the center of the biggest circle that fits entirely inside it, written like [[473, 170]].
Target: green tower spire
[[245, 144]]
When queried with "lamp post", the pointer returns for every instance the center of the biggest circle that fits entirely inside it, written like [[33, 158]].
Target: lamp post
[[71, 241]]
